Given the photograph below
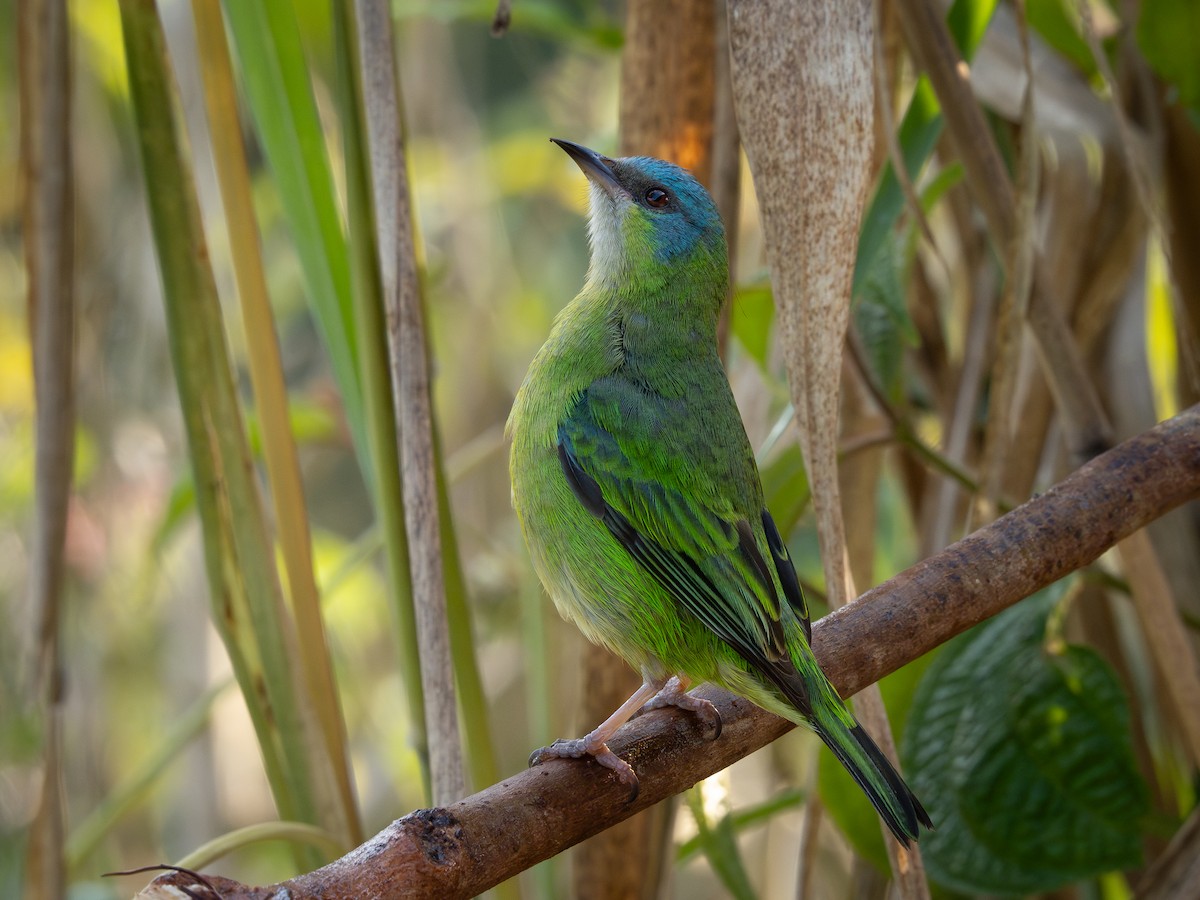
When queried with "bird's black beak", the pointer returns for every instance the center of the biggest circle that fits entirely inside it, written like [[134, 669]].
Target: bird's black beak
[[597, 168]]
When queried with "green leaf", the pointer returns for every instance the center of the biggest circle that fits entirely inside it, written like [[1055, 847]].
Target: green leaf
[[919, 131], [881, 314], [785, 488], [275, 78], [718, 842], [968, 20], [743, 819], [1168, 34], [1020, 751], [750, 317], [1057, 21]]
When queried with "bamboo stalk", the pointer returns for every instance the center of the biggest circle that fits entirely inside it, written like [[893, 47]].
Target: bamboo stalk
[[270, 392], [48, 220], [248, 609], [405, 327], [383, 456], [382, 107]]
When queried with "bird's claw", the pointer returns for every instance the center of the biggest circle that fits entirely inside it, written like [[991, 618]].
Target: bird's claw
[[675, 695], [562, 748], [577, 748]]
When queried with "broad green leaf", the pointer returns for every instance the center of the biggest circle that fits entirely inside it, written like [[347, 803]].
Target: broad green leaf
[[1168, 34], [881, 314], [1020, 750], [1057, 21]]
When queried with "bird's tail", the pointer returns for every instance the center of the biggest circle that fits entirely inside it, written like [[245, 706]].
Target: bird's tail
[[854, 748]]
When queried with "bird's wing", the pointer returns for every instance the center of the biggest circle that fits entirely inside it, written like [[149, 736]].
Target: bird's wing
[[693, 524]]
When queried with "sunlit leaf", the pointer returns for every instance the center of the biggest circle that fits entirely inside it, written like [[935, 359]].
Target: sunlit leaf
[[968, 20], [276, 80]]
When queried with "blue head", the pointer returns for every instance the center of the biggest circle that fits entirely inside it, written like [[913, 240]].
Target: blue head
[[649, 217]]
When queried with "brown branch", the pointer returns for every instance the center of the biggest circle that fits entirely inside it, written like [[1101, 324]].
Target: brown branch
[[469, 846]]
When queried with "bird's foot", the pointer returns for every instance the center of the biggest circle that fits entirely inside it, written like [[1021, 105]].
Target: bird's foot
[[675, 694], [577, 748]]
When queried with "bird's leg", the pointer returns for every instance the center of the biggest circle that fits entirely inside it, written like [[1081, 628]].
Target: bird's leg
[[595, 743], [674, 693]]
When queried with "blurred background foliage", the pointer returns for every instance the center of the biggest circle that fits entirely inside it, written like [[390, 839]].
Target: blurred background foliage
[[159, 755]]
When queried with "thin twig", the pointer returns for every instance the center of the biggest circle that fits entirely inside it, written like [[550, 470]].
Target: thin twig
[[502, 19], [1014, 302], [891, 137]]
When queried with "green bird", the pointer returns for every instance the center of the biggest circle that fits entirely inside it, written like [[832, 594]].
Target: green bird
[[637, 490]]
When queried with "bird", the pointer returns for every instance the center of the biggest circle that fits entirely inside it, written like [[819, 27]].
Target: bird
[[638, 494]]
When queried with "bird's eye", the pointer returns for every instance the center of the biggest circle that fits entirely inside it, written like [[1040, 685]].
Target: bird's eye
[[657, 198]]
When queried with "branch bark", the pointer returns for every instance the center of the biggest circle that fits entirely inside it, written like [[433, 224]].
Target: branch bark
[[463, 849]]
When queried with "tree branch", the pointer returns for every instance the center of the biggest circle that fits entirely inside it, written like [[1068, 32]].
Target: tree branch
[[469, 846]]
